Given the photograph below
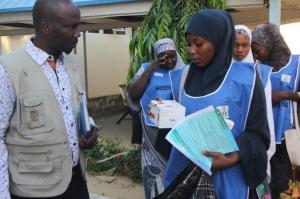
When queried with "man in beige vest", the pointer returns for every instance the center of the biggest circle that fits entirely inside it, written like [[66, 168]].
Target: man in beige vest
[[40, 92]]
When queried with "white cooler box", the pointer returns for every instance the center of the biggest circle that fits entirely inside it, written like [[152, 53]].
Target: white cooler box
[[166, 113]]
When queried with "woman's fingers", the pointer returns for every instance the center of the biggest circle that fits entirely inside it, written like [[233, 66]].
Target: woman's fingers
[[221, 161]]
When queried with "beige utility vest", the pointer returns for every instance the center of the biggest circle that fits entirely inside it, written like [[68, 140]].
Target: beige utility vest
[[39, 154]]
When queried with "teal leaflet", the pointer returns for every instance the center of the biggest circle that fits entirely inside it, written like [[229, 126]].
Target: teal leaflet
[[204, 130]]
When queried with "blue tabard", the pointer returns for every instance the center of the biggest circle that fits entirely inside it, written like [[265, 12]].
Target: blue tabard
[[264, 73], [286, 79], [158, 86], [235, 93]]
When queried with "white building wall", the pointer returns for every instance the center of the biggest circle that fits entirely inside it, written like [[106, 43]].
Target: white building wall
[[108, 56], [107, 60], [10, 43], [290, 33]]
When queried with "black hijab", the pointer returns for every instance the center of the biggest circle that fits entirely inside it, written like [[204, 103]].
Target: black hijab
[[215, 26]]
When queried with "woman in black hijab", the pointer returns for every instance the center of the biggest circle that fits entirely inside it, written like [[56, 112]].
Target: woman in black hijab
[[213, 80]]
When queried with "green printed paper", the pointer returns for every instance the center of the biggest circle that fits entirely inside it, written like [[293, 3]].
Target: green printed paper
[[205, 130]]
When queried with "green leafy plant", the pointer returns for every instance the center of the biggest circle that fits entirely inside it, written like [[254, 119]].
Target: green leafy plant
[[166, 18], [112, 158], [133, 164], [293, 190]]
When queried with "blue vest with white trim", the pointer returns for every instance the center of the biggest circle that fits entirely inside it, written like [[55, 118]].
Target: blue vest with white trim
[[158, 86], [235, 94], [264, 73], [286, 79]]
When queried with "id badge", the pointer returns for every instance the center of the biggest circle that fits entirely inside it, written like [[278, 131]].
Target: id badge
[[286, 78], [156, 74], [224, 111]]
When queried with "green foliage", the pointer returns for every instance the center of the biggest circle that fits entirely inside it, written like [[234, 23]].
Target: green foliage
[[133, 164], [166, 18], [119, 160]]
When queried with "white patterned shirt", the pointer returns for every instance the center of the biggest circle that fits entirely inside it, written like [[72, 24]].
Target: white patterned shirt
[[61, 87]]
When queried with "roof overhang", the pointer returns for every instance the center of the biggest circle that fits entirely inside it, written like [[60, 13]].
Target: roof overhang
[[110, 14], [101, 16], [253, 14]]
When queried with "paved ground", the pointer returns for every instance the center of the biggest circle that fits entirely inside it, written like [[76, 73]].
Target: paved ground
[[111, 130], [120, 187]]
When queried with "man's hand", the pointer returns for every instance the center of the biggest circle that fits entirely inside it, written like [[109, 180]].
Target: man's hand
[[221, 161], [90, 141]]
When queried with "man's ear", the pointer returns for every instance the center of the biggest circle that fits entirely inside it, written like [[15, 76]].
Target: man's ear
[[45, 26]]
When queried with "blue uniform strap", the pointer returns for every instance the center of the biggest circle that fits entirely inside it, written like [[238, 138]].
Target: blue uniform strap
[[182, 80]]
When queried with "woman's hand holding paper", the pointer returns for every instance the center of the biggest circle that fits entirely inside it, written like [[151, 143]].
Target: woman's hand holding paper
[[221, 161]]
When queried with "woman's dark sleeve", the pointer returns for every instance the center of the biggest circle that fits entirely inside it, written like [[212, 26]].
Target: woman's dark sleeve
[[255, 141]]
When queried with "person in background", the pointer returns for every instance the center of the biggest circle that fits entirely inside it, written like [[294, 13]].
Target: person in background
[[213, 79], [269, 48], [242, 52], [40, 92], [152, 82], [242, 45]]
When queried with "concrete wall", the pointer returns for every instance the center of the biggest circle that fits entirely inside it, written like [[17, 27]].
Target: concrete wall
[[107, 62], [108, 58], [10, 43]]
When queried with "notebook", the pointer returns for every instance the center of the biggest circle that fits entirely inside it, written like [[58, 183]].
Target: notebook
[[83, 119]]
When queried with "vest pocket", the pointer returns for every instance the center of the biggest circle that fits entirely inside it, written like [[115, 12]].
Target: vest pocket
[[38, 167], [33, 113], [33, 116]]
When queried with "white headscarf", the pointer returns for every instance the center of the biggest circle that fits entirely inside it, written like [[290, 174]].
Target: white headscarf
[[160, 46], [249, 57], [164, 45]]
